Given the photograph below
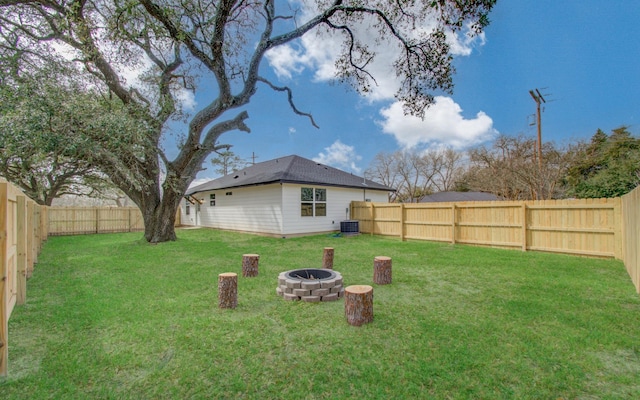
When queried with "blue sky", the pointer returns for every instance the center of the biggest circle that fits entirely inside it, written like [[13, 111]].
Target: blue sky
[[584, 56]]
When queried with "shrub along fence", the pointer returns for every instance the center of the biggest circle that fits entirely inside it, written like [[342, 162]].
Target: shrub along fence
[[23, 229], [587, 227]]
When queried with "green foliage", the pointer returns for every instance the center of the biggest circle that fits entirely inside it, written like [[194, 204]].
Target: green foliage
[[111, 317], [227, 162], [52, 130], [172, 45], [609, 166]]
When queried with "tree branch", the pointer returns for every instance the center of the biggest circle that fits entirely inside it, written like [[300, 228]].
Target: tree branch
[[290, 99]]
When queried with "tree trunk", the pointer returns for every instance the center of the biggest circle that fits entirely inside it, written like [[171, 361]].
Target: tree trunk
[[358, 304], [382, 270], [160, 218], [327, 258], [250, 265], [228, 290]]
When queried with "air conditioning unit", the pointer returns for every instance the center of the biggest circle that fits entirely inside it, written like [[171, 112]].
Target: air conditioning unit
[[349, 227]]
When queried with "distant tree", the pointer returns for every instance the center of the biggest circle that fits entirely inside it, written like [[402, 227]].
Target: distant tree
[[608, 166], [510, 169], [227, 162], [177, 42], [415, 174], [448, 168], [383, 170], [41, 123]]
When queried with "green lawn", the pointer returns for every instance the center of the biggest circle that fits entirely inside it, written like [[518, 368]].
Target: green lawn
[[109, 316]]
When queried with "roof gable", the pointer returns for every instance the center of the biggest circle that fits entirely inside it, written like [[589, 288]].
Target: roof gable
[[290, 169]]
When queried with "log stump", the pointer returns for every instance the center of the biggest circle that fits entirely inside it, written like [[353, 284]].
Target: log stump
[[382, 270], [228, 290], [327, 258], [250, 265], [358, 304]]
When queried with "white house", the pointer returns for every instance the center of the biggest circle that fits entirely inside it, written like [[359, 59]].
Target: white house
[[285, 196]]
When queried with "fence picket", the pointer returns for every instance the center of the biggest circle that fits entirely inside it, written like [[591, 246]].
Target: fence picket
[[588, 227], [21, 226]]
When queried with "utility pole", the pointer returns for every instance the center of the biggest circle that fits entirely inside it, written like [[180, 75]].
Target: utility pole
[[253, 158], [538, 98]]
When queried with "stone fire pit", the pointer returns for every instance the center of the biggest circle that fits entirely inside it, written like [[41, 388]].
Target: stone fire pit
[[311, 285]]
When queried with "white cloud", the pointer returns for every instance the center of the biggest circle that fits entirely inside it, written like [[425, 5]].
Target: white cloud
[[317, 54], [340, 155], [443, 124], [286, 61], [462, 43], [186, 98]]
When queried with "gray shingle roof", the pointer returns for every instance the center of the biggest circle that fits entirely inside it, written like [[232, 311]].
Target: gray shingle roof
[[459, 196], [290, 169]]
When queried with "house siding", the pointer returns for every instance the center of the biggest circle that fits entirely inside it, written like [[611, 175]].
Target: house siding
[[252, 209], [338, 203]]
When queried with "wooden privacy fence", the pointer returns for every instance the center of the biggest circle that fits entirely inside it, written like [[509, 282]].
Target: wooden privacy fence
[[589, 227], [23, 228], [88, 220], [631, 234], [586, 227]]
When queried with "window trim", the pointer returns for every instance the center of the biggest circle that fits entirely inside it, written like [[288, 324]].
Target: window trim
[[313, 203]]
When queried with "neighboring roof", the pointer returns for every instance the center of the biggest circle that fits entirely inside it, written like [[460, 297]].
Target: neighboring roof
[[290, 169], [442, 197]]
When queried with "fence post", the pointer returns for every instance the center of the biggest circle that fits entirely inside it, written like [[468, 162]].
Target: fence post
[[32, 253], [44, 223], [21, 243], [618, 237], [5, 290], [373, 219], [453, 223], [402, 222], [524, 226]]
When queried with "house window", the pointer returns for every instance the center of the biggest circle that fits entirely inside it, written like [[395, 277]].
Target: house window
[[228, 194], [187, 209], [313, 202], [212, 200]]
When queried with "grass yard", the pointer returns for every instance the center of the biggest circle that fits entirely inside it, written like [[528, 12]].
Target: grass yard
[[111, 317]]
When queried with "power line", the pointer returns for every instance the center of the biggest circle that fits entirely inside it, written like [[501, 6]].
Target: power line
[[538, 98]]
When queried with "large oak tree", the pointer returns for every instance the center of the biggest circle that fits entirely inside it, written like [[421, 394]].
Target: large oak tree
[[48, 128], [225, 41]]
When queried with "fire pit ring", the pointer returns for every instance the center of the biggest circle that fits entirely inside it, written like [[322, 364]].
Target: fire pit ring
[[310, 274], [310, 285]]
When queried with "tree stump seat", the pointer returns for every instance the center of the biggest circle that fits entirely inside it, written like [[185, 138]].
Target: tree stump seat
[[358, 304], [228, 290], [250, 265], [327, 258], [382, 270]]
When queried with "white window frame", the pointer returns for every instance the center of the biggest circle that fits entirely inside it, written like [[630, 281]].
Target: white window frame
[[310, 205]]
